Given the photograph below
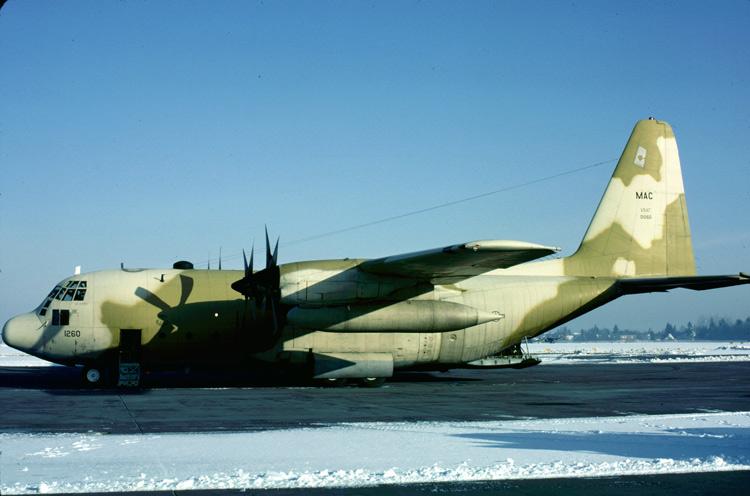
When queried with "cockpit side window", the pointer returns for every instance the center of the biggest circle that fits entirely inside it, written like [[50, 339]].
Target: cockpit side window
[[80, 294], [48, 300], [69, 294], [60, 317]]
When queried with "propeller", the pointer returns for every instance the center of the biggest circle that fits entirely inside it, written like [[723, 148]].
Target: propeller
[[262, 288], [250, 290], [186, 287]]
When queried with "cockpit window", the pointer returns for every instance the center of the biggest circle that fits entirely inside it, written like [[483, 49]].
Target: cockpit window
[[48, 300], [72, 291]]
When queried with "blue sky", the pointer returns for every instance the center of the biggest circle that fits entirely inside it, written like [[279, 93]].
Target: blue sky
[[146, 132]]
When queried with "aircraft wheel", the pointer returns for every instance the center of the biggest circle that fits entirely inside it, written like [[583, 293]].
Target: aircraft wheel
[[93, 376], [99, 376], [372, 382]]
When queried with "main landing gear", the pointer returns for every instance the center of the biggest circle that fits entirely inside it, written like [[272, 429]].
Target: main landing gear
[[372, 382], [367, 382]]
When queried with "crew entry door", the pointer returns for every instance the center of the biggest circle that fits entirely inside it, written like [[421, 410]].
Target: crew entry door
[[129, 366]]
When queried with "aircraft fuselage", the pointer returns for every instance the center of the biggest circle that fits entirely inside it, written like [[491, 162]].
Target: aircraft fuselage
[[479, 316]]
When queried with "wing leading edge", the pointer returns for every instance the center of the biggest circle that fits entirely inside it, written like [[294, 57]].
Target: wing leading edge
[[462, 260]]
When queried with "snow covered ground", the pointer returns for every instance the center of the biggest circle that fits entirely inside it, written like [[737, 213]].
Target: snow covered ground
[[365, 454], [641, 352], [10, 357], [359, 454]]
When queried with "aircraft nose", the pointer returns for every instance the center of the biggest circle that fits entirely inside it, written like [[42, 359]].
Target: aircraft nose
[[19, 332]]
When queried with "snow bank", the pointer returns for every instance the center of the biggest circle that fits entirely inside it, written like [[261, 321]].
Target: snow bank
[[641, 352], [360, 454], [10, 357]]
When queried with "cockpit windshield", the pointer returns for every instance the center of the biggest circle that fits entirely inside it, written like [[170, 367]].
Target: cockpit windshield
[[73, 290]]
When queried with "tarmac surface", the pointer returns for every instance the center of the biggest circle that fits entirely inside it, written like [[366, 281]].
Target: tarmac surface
[[50, 399]]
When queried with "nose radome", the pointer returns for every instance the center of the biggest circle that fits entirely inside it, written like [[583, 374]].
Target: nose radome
[[20, 331]]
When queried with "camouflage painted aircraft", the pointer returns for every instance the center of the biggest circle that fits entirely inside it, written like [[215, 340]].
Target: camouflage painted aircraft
[[465, 305]]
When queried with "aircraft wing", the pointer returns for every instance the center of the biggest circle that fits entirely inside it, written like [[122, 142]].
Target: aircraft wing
[[697, 283], [462, 260]]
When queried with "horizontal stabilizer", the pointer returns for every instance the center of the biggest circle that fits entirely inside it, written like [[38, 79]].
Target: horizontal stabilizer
[[463, 260], [697, 283]]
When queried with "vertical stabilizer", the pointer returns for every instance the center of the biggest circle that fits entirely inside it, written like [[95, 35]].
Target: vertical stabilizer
[[641, 225]]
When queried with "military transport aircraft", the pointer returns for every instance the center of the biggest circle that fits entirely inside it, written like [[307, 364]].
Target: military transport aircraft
[[464, 305]]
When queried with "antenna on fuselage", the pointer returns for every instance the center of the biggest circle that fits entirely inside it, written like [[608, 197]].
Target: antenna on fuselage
[[77, 270]]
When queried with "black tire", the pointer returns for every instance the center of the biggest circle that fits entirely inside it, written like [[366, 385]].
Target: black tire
[[93, 376], [98, 376], [372, 382]]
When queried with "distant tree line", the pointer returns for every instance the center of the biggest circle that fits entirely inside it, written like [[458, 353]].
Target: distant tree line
[[711, 329]]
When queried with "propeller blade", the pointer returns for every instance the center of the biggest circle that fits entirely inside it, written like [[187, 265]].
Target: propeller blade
[[275, 315], [186, 284], [276, 251], [252, 254], [151, 298], [244, 261], [269, 255], [253, 311]]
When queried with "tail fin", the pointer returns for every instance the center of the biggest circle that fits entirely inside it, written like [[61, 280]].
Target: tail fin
[[641, 226]]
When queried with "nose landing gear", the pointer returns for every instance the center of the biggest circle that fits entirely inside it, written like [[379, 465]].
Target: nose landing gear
[[92, 376], [98, 375]]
